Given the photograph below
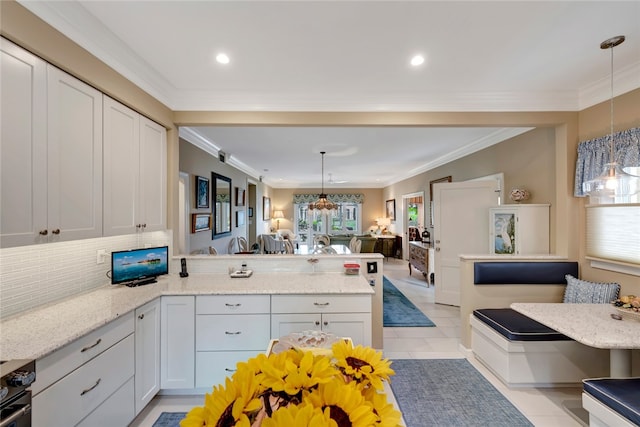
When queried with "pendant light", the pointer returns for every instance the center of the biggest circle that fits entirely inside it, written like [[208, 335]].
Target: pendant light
[[614, 185], [323, 204]]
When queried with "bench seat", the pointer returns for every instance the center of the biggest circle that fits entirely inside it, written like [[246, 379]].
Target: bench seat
[[525, 353], [612, 401]]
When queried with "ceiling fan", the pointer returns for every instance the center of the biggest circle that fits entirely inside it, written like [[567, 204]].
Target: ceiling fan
[[332, 181]]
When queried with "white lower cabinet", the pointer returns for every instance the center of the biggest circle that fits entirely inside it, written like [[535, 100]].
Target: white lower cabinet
[[115, 411], [76, 395], [341, 315], [229, 329], [177, 342], [147, 379]]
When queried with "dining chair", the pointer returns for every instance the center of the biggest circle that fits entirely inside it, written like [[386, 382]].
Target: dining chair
[[243, 245], [212, 251], [321, 239], [355, 245], [231, 248], [288, 247], [325, 250]]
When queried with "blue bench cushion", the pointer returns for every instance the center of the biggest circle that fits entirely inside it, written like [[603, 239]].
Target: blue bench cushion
[[516, 326], [521, 273], [620, 394]]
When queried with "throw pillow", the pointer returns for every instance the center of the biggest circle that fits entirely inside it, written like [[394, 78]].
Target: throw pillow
[[585, 292]]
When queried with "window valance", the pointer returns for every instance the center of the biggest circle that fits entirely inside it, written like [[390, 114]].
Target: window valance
[[335, 198], [593, 155], [223, 198]]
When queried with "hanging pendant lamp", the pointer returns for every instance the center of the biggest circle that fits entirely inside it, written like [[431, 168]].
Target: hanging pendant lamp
[[323, 204], [613, 185]]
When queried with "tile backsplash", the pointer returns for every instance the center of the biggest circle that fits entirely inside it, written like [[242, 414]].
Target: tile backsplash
[[31, 276]]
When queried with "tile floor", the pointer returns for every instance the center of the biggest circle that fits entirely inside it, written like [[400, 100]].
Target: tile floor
[[543, 407]]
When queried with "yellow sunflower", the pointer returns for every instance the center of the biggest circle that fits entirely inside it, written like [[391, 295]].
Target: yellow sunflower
[[301, 371], [303, 415], [363, 364], [344, 403], [230, 405], [386, 413]]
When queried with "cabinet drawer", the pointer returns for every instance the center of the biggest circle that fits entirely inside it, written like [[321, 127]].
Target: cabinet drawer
[[212, 367], [117, 410], [233, 304], [75, 396], [59, 363], [223, 332], [321, 303]]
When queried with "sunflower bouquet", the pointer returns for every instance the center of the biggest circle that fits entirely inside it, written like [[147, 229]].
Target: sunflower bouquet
[[298, 388]]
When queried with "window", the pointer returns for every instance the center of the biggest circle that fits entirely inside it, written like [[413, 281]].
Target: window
[[613, 237], [346, 220]]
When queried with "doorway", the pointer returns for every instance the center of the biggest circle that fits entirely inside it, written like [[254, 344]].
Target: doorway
[[414, 211]]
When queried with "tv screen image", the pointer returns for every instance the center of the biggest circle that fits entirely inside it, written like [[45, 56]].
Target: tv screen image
[[139, 266]]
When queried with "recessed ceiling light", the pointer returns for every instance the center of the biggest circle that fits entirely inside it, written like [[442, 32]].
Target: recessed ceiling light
[[222, 58], [417, 60]]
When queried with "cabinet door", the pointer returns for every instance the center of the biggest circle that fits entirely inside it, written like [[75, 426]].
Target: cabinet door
[[503, 231], [356, 326], [153, 175], [121, 168], [147, 377], [23, 146], [284, 324], [177, 342], [74, 169]]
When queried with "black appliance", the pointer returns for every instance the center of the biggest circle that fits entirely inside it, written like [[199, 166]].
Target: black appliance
[[16, 376]]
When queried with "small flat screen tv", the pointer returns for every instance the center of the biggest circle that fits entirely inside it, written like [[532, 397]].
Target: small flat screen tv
[[137, 267]]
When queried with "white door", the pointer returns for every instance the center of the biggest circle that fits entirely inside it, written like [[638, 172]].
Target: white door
[[460, 212]]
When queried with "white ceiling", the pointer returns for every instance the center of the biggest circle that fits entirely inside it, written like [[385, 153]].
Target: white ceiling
[[354, 56]]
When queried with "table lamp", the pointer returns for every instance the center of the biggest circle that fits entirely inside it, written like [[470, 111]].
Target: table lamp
[[277, 215]]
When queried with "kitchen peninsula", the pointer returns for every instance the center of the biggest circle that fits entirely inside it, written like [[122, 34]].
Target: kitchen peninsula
[[107, 352]]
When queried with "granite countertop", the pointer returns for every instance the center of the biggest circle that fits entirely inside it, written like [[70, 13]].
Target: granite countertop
[[38, 332], [590, 324]]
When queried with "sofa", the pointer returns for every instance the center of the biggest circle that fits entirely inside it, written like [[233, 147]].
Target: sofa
[[368, 242]]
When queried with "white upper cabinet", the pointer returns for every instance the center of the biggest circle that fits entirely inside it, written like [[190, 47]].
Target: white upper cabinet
[[519, 229], [134, 171], [51, 152]]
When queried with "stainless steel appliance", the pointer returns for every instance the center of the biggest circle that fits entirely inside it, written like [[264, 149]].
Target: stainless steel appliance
[[15, 397]]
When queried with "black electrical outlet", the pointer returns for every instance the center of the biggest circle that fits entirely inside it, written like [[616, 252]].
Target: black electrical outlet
[[372, 267]]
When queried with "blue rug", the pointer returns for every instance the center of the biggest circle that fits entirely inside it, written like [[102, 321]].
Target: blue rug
[[397, 310], [449, 392], [169, 419]]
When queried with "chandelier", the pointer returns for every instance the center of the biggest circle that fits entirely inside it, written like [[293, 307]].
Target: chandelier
[[323, 204], [613, 185]]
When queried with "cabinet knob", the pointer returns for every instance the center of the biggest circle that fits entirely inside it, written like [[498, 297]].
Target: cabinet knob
[[437, 249], [325, 323], [141, 316], [56, 231], [43, 232], [317, 323], [437, 241], [144, 225]]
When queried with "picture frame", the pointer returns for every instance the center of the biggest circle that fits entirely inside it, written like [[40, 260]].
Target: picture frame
[[239, 218], [239, 196], [202, 192], [200, 222], [391, 209], [266, 208], [250, 211], [431, 208]]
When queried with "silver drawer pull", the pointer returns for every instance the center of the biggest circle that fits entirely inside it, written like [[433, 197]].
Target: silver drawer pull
[[232, 333], [91, 346], [230, 370], [91, 388], [322, 304], [232, 305]]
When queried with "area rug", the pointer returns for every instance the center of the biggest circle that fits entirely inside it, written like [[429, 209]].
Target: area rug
[[449, 392], [397, 310], [169, 419]]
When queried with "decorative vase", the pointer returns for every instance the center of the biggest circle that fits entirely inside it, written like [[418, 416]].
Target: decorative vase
[[519, 195]]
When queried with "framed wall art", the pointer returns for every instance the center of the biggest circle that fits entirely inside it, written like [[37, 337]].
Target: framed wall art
[[266, 208], [200, 222], [391, 209], [239, 196], [202, 192], [239, 218]]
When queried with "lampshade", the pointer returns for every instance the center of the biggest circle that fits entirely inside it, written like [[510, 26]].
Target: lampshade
[[384, 221], [278, 214], [323, 204], [613, 185]]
